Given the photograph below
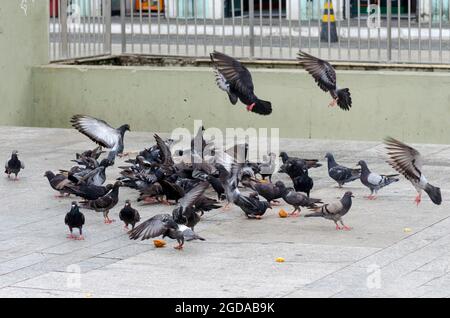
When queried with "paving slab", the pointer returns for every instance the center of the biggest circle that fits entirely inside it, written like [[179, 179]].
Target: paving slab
[[394, 250]]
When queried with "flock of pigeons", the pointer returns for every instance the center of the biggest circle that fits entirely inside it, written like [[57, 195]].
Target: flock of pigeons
[[183, 177]]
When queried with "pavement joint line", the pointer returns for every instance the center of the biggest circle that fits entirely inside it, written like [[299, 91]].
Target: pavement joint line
[[380, 251]]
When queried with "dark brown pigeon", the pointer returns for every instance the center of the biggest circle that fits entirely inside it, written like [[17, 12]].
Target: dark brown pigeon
[[325, 76], [235, 79]]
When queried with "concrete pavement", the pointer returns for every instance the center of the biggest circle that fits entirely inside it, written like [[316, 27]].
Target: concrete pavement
[[395, 249]]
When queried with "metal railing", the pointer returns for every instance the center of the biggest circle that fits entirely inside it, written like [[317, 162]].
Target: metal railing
[[411, 31]]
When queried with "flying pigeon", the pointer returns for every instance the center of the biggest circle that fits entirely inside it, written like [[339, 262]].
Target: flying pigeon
[[75, 219], [235, 79], [129, 215], [101, 133], [408, 161], [325, 76], [105, 203], [374, 181], [164, 224], [341, 174], [14, 165], [335, 211]]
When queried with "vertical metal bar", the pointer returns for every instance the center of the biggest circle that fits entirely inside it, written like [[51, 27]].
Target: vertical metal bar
[[319, 27], [399, 51], [195, 26], [64, 35], [310, 5], [204, 28], [441, 3], [389, 30], [141, 26], [149, 11], [223, 31], [159, 26], [329, 27], [299, 24], [92, 10], [233, 27], [369, 55], [409, 30], [167, 14], [270, 23], [290, 27], [429, 31], [242, 28], [347, 8], [339, 18], [177, 13], [420, 31], [261, 54], [379, 32], [280, 27], [186, 26], [123, 30], [359, 29], [214, 24], [107, 15], [251, 22]]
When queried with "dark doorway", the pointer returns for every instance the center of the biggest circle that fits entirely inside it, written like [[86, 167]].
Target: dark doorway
[[264, 7]]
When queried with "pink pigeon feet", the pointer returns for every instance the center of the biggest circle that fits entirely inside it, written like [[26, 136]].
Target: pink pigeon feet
[[345, 228], [294, 214], [79, 238], [250, 107], [332, 103], [371, 197], [418, 199], [109, 221], [71, 236]]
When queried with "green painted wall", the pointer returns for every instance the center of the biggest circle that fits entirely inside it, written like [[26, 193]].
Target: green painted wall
[[23, 43], [412, 106]]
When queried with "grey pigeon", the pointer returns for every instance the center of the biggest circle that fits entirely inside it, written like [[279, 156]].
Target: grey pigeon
[[75, 219], [325, 76], [373, 180], [102, 133], [129, 215], [335, 211], [408, 161], [14, 165], [296, 199], [235, 79], [164, 224], [341, 174], [59, 183]]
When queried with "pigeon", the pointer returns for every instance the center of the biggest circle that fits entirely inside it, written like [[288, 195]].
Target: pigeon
[[75, 219], [59, 183], [341, 174], [374, 181], [184, 213], [334, 211], [235, 79], [89, 192], [129, 215], [105, 203], [267, 167], [296, 199], [408, 161], [94, 153], [102, 133], [325, 76], [164, 224], [14, 165], [251, 205], [307, 163], [299, 176], [269, 191]]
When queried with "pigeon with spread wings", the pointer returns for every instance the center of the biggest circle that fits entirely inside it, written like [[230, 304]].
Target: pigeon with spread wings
[[325, 76], [235, 79], [408, 161], [103, 134]]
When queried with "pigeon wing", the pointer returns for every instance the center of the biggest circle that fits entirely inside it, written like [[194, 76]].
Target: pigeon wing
[[233, 72], [97, 130], [153, 227], [404, 159], [322, 71], [164, 150]]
